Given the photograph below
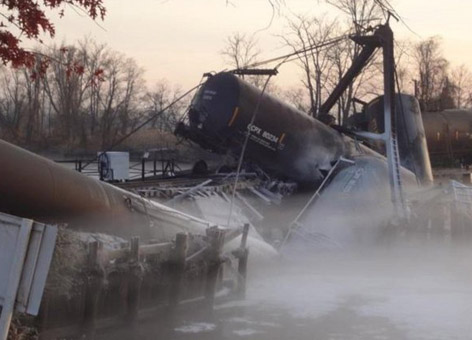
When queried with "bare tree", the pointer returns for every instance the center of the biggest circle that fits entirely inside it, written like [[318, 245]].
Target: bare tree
[[94, 56], [92, 91], [22, 103], [361, 14], [35, 103], [304, 32], [12, 103], [431, 72], [297, 97], [403, 65], [461, 77], [240, 50], [324, 68], [65, 91], [116, 94], [159, 98]]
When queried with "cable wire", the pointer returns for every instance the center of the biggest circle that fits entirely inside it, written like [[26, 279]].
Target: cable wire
[[243, 150], [154, 116], [284, 59], [297, 52], [246, 140]]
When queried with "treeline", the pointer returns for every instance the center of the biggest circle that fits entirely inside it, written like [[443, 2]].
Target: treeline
[[88, 96], [84, 95], [421, 67], [438, 85]]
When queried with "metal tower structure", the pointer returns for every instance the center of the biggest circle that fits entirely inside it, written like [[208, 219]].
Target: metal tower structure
[[381, 38]]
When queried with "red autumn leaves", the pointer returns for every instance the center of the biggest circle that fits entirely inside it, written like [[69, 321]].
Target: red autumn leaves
[[27, 18]]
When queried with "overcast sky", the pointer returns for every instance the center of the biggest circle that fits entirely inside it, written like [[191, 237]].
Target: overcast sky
[[178, 40]]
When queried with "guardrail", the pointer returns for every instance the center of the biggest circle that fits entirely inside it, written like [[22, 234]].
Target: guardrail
[[137, 170]]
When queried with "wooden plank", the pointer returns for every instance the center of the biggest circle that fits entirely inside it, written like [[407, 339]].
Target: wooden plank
[[260, 195], [94, 287], [29, 266], [276, 198], [232, 234], [242, 265], [256, 213], [187, 192], [135, 280], [43, 263], [178, 268], [164, 249], [114, 254], [217, 238]]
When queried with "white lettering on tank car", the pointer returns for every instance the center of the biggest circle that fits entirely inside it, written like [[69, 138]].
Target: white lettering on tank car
[[208, 94], [263, 137], [254, 129], [353, 180], [269, 136]]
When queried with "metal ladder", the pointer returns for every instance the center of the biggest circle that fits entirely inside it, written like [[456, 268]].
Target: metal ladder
[[394, 164]]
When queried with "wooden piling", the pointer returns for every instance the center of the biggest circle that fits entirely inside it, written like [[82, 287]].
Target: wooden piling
[[135, 279], [94, 285], [143, 169], [242, 263], [178, 268], [242, 254], [42, 321], [216, 242]]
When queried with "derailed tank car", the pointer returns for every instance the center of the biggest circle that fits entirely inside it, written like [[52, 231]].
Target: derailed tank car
[[449, 135], [282, 140], [410, 132]]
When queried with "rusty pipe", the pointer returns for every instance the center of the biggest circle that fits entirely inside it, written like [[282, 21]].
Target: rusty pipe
[[35, 187]]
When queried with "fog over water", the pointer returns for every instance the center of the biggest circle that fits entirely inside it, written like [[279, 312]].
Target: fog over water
[[406, 290], [361, 280]]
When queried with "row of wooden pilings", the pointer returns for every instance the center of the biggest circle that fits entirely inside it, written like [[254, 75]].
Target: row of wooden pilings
[[177, 255]]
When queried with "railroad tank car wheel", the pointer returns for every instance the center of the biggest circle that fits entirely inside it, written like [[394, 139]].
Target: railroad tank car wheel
[[200, 168]]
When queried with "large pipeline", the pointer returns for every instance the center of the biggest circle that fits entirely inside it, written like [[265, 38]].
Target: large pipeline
[[37, 188], [32, 186]]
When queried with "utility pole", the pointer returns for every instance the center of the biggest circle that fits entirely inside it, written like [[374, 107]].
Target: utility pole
[[382, 38], [390, 136]]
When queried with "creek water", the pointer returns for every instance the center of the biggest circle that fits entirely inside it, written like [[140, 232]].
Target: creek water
[[413, 291]]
